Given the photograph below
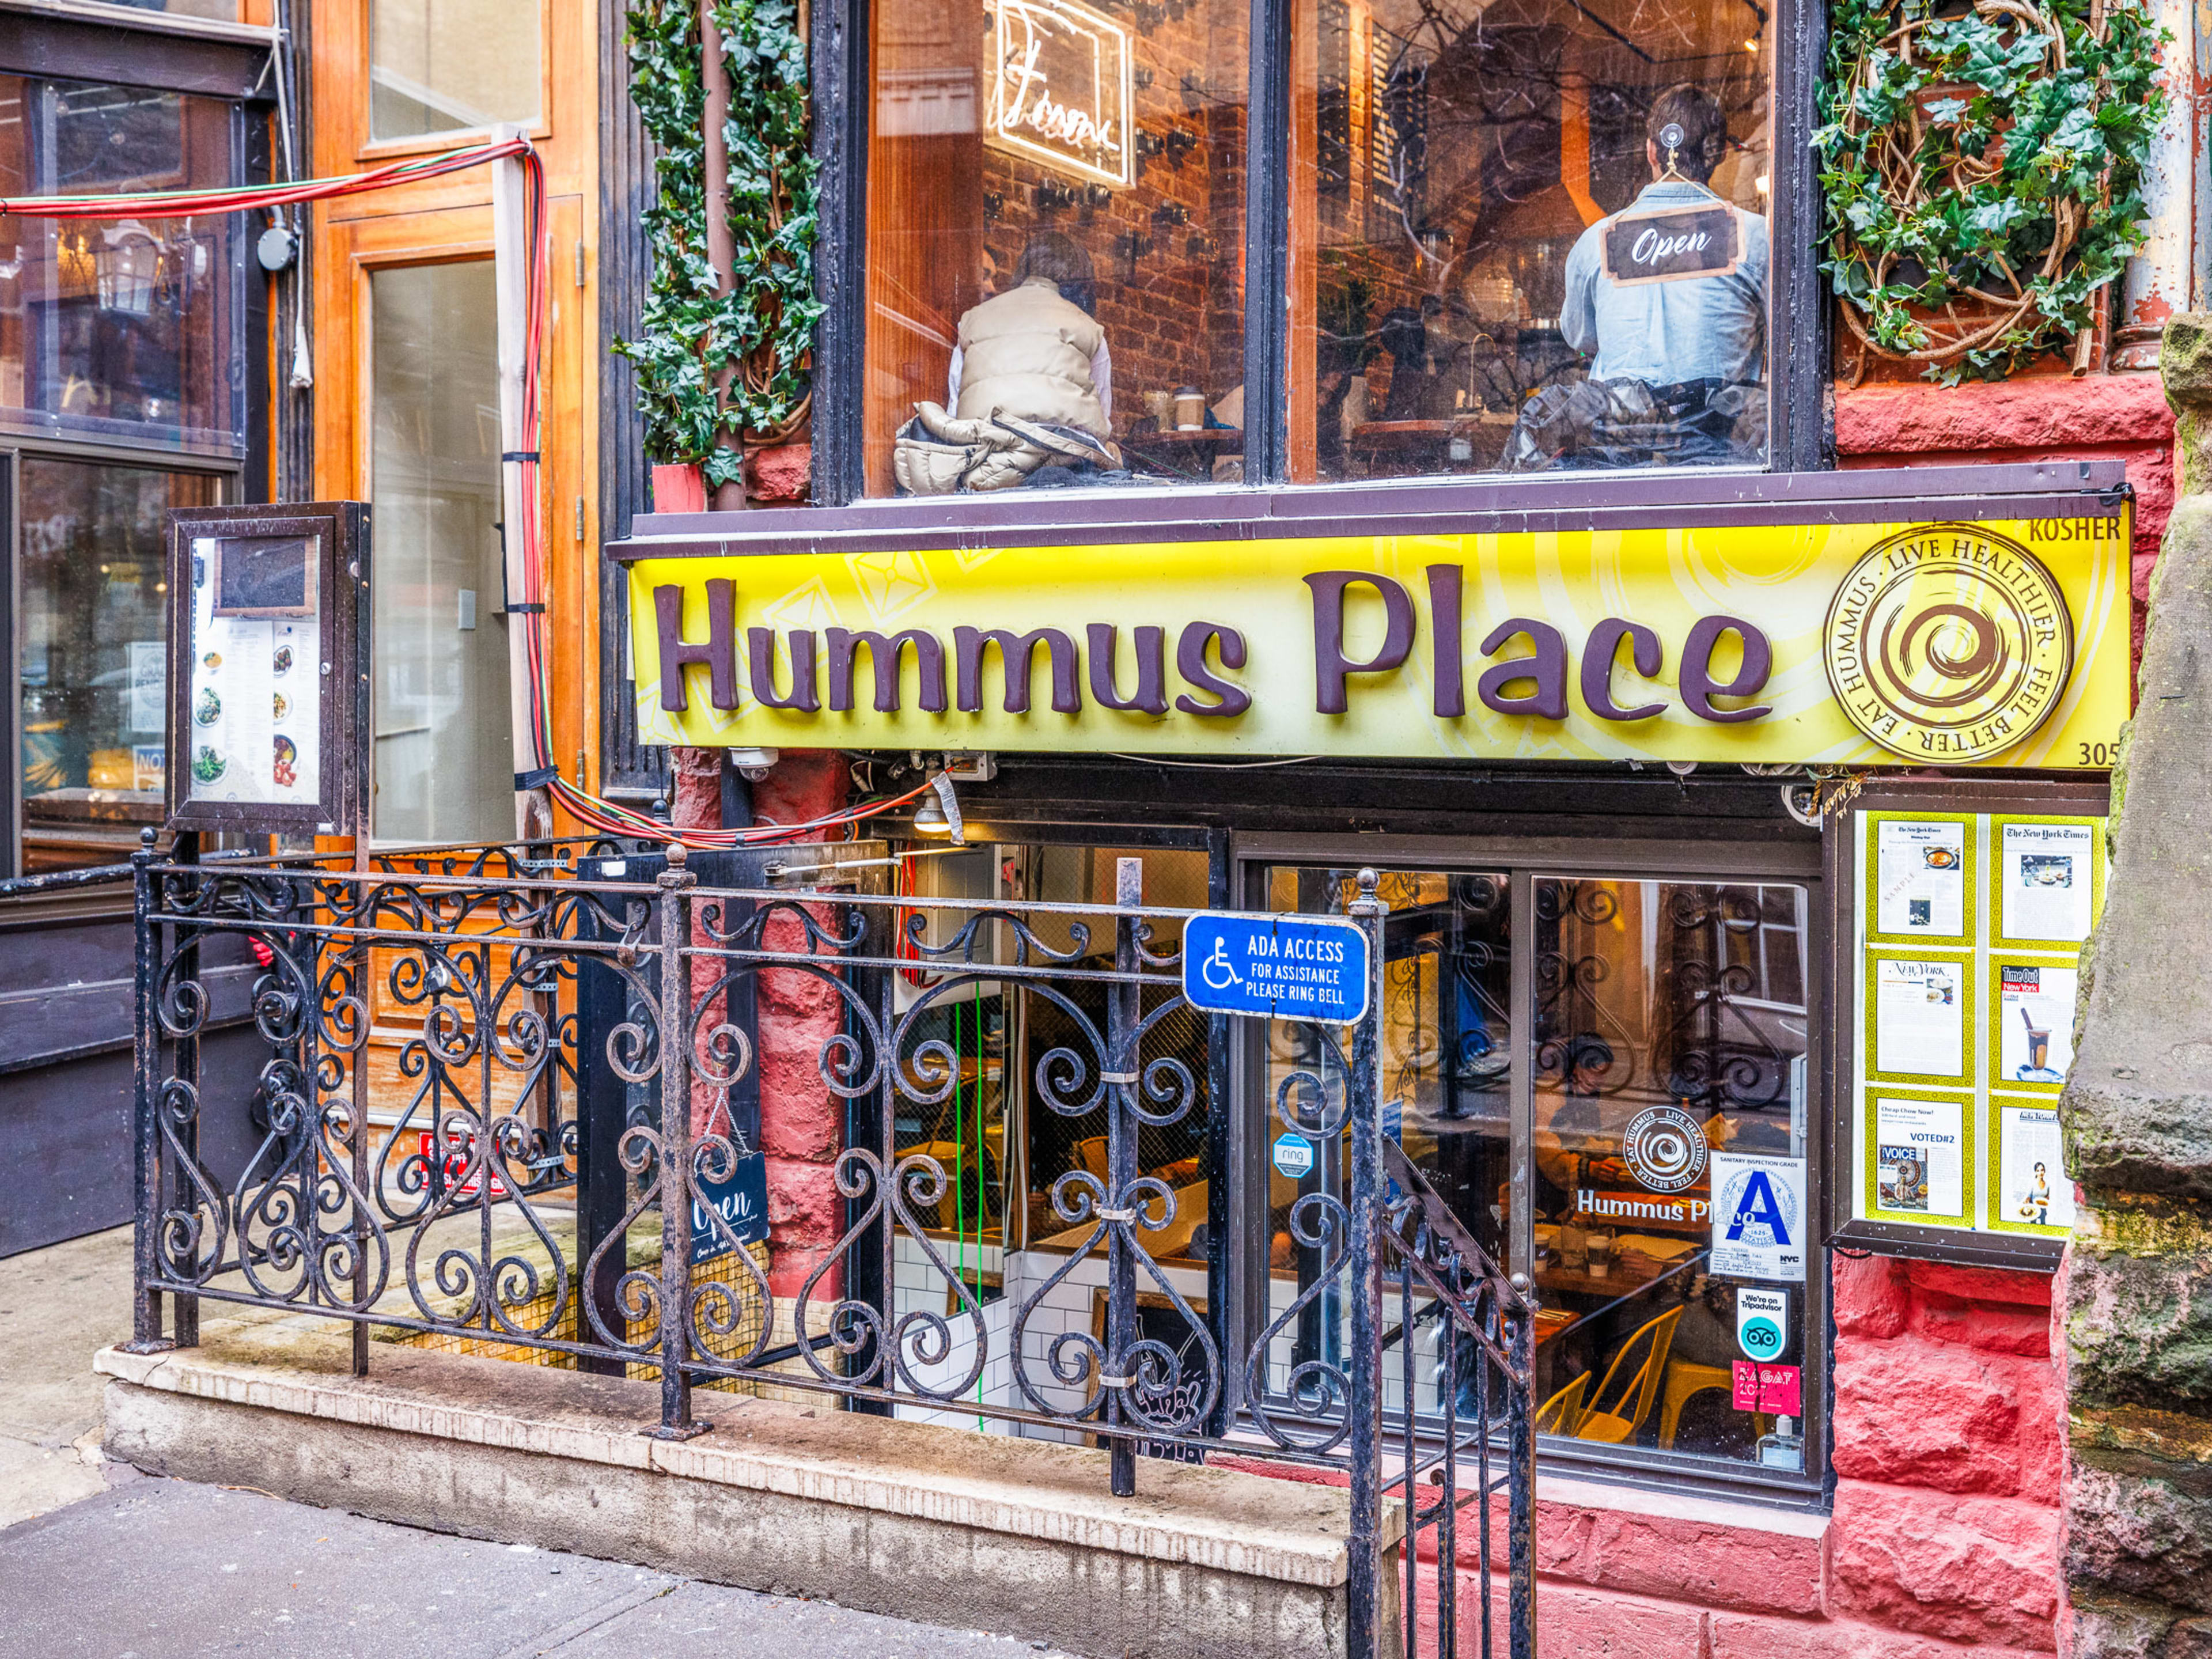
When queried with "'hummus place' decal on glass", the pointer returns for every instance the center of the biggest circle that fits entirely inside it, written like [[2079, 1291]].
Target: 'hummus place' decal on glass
[[1950, 643]]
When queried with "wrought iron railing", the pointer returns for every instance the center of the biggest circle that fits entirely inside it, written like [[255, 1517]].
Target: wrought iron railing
[[453, 1038]]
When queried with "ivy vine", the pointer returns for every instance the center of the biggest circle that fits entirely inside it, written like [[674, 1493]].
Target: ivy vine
[[1982, 166], [716, 371]]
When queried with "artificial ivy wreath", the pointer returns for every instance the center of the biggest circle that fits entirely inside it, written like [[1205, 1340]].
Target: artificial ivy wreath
[[757, 336], [1981, 161]]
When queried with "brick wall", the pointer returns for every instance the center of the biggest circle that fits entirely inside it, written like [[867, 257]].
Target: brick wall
[[1171, 316], [802, 1123]]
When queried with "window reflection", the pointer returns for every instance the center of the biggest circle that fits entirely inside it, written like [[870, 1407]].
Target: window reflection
[[1669, 1026], [443, 746], [124, 326], [94, 655], [452, 65], [1666, 1024], [1459, 172]]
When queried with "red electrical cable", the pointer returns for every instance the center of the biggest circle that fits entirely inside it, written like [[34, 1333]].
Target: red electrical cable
[[185, 204], [603, 816]]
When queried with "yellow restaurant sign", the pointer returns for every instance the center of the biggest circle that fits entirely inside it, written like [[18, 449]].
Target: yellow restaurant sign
[[2000, 641]]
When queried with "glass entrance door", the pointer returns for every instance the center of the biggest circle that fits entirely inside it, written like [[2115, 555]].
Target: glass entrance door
[[1583, 1066], [444, 757]]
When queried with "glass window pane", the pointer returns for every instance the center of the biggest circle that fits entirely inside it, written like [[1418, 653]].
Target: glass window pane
[[1659, 1042], [994, 1083], [1055, 221], [1499, 261], [444, 754], [1447, 1060], [448, 65], [94, 632], [124, 326]]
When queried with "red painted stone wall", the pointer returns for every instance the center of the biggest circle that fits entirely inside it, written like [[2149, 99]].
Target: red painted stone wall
[[802, 1123], [1943, 1541], [2096, 417]]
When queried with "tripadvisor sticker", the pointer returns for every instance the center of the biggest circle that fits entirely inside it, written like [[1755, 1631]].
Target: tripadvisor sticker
[[1762, 1317]]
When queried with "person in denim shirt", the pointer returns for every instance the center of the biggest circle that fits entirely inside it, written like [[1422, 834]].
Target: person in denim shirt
[[1678, 361]]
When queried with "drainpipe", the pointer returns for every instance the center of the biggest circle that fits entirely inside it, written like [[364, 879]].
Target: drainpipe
[[2156, 284], [721, 246], [533, 802]]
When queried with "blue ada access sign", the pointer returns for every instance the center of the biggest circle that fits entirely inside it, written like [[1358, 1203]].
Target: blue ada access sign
[[1275, 967]]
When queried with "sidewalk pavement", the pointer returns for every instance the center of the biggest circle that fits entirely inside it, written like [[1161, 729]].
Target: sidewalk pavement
[[59, 1306], [158, 1568], [98, 1559]]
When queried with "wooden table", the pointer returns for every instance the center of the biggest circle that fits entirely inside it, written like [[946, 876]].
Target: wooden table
[[1178, 449]]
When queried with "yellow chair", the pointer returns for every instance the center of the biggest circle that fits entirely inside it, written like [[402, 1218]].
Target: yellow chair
[[1686, 1377], [1563, 1413], [1646, 1352]]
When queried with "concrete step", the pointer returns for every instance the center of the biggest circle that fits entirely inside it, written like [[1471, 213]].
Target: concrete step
[[904, 1519]]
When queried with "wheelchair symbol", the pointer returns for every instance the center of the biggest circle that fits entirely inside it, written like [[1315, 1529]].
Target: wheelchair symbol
[[1219, 960]]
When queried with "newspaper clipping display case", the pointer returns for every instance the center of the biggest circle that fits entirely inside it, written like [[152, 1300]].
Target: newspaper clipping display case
[[1961, 911]]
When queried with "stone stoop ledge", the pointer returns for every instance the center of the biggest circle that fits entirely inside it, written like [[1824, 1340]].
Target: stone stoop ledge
[[937, 1524]]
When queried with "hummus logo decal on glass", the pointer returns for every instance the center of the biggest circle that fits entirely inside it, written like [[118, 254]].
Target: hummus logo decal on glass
[[1948, 642], [1665, 1149]]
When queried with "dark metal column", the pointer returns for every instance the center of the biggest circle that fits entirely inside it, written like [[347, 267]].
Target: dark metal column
[[1123, 1012], [146, 1304], [1363, 1350], [676, 1422]]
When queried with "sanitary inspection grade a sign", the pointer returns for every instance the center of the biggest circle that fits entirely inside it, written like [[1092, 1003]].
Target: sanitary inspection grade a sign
[[1275, 967]]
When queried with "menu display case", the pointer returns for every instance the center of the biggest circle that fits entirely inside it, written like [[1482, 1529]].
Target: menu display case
[[268, 688]]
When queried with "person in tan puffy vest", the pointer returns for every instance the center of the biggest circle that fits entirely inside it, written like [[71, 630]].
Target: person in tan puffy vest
[[1031, 386], [1036, 351]]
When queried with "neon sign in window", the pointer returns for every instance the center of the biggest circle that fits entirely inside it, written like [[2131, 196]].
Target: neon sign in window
[[1060, 90]]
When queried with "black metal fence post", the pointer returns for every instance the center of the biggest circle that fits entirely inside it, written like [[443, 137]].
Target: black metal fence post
[[1123, 1013], [368, 1176], [185, 1066], [145, 1132], [1364, 1348], [676, 1422], [1521, 1479]]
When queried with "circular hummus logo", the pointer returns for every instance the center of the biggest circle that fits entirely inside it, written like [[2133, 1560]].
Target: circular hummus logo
[[1664, 1149], [1948, 642]]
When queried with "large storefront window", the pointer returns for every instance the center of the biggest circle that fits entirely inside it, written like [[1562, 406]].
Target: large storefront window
[[1056, 211], [94, 630], [1527, 237], [1523, 239], [120, 329], [1660, 1030]]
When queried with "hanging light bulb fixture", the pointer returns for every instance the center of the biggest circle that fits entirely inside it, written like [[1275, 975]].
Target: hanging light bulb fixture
[[940, 816]]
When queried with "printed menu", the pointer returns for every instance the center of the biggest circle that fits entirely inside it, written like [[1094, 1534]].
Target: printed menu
[[253, 715]]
